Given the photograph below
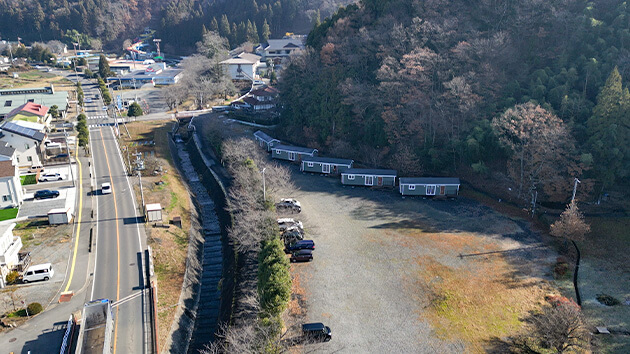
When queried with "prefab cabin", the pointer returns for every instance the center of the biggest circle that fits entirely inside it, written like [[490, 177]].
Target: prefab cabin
[[264, 140], [429, 186], [292, 153], [325, 165], [369, 177]]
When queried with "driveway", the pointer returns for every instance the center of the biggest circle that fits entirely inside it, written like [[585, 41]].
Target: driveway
[[32, 207]]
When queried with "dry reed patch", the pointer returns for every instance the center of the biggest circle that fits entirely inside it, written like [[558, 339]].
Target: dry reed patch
[[170, 245]]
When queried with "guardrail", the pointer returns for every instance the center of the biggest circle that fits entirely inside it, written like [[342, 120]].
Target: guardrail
[[66, 344]]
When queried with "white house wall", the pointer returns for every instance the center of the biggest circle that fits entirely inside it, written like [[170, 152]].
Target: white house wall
[[24, 148]]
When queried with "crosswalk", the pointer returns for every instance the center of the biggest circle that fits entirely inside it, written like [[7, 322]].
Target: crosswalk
[[100, 125], [97, 117]]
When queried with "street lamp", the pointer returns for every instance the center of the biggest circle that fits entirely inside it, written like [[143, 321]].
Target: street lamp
[[264, 189]]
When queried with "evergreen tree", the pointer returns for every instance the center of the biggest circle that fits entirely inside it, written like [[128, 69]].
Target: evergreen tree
[[252, 32], [224, 27], [134, 110], [103, 67], [214, 25], [609, 130], [265, 32], [241, 33]]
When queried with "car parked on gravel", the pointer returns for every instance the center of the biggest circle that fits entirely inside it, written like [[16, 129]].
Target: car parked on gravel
[[299, 245], [287, 223], [292, 236], [302, 256], [46, 194], [316, 332], [47, 177], [289, 204]]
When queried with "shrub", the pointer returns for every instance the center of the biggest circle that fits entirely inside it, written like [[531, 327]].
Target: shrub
[[607, 300], [12, 277], [34, 308], [274, 279], [560, 269]]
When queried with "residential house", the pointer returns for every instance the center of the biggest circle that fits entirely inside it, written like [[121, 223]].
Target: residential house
[[429, 186], [45, 96], [265, 140], [325, 165], [243, 67], [31, 112], [291, 153], [25, 140], [261, 99], [11, 194], [369, 177], [10, 247], [279, 49]]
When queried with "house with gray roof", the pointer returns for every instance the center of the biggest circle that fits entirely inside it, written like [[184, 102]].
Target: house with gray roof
[[10, 99], [325, 165], [291, 153], [429, 186], [264, 140], [369, 177], [25, 139]]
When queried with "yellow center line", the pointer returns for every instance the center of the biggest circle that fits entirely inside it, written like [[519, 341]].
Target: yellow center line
[[76, 241], [117, 241]]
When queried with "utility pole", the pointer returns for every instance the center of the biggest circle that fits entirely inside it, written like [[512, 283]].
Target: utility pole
[[575, 183], [157, 44], [141, 191], [69, 160], [75, 61], [264, 189]]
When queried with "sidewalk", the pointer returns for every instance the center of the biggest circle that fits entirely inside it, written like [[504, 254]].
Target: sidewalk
[[44, 332]]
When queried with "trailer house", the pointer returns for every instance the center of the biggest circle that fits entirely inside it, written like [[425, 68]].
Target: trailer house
[[325, 165], [369, 177], [429, 186], [264, 140], [292, 153]]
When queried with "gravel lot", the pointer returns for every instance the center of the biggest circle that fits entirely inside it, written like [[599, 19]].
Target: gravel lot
[[363, 281]]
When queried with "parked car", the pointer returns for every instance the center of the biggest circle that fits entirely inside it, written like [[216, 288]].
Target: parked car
[[47, 177], [61, 156], [290, 204], [292, 236], [302, 256], [38, 272], [106, 188], [316, 332], [36, 168], [88, 100], [299, 245], [286, 223], [46, 194]]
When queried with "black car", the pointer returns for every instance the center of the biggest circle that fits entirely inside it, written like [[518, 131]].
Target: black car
[[316, 332], [46, 194], [300, 245], [302, 256], [62, 156]]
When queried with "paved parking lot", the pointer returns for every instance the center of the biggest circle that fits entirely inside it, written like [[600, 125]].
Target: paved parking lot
[[67, 193], [365, 281]]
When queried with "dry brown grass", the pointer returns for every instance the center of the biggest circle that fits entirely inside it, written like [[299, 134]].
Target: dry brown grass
[[474, 301], [170, 245]]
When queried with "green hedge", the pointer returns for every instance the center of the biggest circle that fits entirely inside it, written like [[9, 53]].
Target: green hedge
[[28, 179], [274, 279]]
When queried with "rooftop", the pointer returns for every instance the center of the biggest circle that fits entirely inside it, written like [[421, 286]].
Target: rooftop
[[10, 99], [30, 107], [370, 171], [7, 169], [18, 129], [429, 180], [330, 160], [278, 44], [264, 136], [6, 151], [294, 148]]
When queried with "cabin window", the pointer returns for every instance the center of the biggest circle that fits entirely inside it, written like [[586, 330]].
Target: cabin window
[[412, 187], [310, 164], [350, 177], [277, 151]]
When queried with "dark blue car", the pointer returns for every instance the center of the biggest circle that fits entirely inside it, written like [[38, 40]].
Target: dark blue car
[[300, 245], [46, 194]]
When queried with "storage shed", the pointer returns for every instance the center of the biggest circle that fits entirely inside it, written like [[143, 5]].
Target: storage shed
[[153, 212], [292, 153], [429, 186], [59, 216], [265, 141], [325, 165], [369, 177]]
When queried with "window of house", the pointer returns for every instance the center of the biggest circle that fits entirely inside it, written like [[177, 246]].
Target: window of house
[[6, 198], [310, 164], [277, 151], [27, 146], [29, 158], [412, 187], [350, 176], [18, 159], [8, 103], [31, 100]]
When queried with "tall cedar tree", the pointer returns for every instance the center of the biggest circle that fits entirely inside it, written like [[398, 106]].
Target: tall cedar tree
[[103, 67]]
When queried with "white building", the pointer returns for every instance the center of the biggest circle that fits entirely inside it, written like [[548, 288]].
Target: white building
[[277, 49], [243, 67], [25, 140], [11, 194], [10, 246]]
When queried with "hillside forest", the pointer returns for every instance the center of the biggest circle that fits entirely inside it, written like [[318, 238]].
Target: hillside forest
[[532, 90], [180, 23]]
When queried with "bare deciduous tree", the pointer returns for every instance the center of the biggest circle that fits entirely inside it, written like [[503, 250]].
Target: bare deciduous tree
[[571, 224]]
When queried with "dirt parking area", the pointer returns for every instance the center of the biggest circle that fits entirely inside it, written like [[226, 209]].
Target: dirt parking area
[[410, 275], [47, 244]]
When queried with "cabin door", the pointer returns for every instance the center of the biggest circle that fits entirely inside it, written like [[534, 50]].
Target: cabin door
[[325, 168], [442, 190], [379, 181], [291, 156], [369, 180], [431, 189]]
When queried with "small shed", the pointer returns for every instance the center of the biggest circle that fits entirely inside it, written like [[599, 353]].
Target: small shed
[[59, 216], [292, 153], [429, 186], [153, 212], [325, 165], [264, 140], [369, 177]]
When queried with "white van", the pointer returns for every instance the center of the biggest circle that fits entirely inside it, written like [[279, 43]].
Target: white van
[[106, 188], [38, 272]]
